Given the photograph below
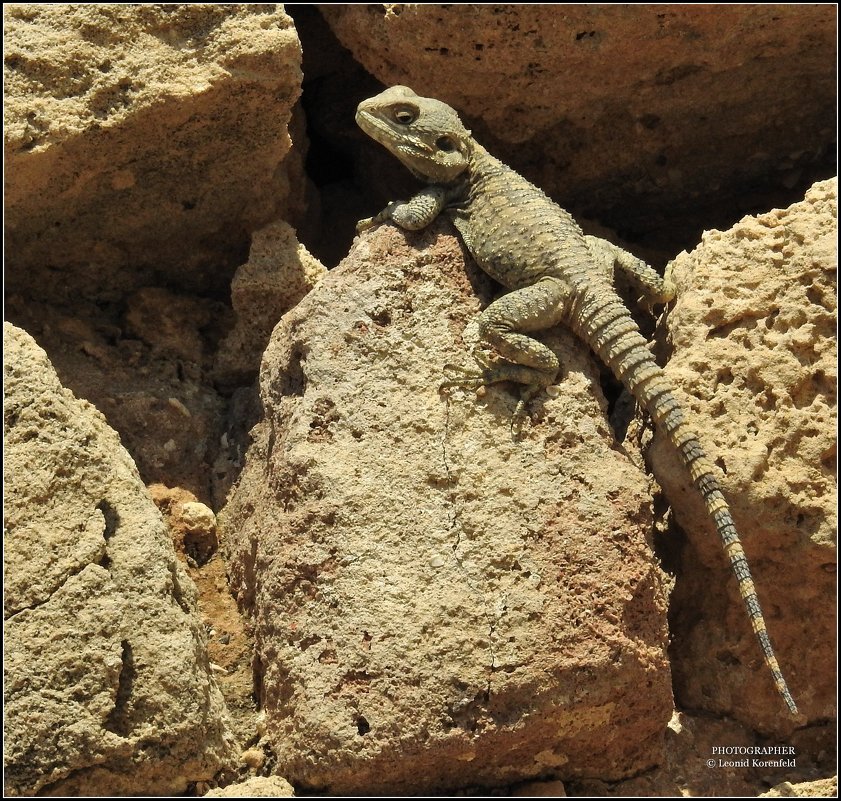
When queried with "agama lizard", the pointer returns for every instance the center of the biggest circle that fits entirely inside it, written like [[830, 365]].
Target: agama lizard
[[530, 245]]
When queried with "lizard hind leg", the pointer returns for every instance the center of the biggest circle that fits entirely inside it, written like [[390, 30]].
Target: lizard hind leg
[[522, 359], [645, 279]]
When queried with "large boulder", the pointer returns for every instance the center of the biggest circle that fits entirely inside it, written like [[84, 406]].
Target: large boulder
[[436, 601], [143, 143], [107, 686]]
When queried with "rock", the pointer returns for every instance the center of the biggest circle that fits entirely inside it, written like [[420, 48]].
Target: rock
[[255, 787], [192, 525], [169, 324], [146, 370], [278, 273], [754, 358], [107, 685], [192, 529], [143, 146], [822, 788], [645, 118], [143, 143], [437, 603]]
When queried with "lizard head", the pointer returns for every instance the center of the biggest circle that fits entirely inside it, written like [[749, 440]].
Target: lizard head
[[425, 134]]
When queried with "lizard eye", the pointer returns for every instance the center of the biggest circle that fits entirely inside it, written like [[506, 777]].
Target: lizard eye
[[445, 143], [405, 115]]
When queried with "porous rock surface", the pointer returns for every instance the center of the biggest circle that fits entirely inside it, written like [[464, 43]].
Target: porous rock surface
[[278, 273], [143, 362], [143, 145], [437, 603], [143, 142], [107, 686], [635, 115], [820, 788], [255, 787], [192, 529], [754, 358]]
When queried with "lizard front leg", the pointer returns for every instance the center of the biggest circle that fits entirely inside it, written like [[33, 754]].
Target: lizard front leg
[[412, 214], [524, 360]]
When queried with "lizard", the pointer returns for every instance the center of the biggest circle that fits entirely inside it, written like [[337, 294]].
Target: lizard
[[556, 275]]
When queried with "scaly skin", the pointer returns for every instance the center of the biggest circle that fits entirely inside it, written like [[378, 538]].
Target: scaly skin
[[557, 275]]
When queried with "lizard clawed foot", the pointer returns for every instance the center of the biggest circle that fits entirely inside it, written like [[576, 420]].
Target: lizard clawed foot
[[533, 382], [491, 370], [384, 216], [465, 377], [519, 416]]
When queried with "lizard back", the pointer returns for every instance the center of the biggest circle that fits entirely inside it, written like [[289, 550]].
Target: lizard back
[[513, 230]]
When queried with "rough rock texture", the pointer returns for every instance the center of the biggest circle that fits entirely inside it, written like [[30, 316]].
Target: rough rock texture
[[107, 685], [634, 115], [192, 525], [754, 357], [256, 787], [144, 363], [437, 603], [822, 788], [143, 142], [278, 273], [143, 145], [192, 528]]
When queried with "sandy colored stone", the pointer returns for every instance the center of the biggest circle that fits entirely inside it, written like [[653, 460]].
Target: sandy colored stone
[[754, 358], [822, 788], [107, 685], [144, 364], [255, 787], [193, 531], [636, 115], [143, 142], [168, 323], [192, 525], [436, 603], [278, 273]]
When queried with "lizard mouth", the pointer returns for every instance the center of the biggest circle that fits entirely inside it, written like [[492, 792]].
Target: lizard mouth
[[374, 126], [407, 150], [362, 115]]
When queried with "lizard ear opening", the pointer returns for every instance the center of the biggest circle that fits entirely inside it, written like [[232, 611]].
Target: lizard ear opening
[[449, 164]]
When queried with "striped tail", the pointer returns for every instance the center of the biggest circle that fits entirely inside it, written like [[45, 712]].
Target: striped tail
[[602, 321]]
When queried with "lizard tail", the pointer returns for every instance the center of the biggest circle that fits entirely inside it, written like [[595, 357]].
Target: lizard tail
[[605, 324]]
